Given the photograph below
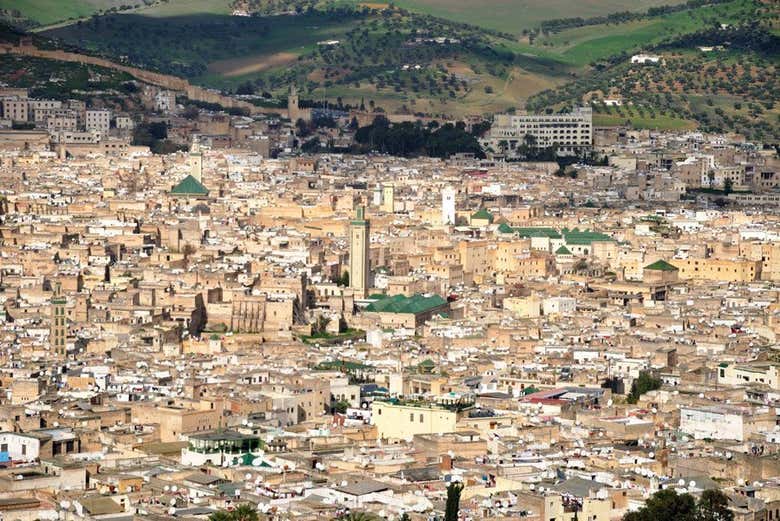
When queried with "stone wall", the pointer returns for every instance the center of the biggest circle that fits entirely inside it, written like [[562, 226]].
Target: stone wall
[[165, 81]]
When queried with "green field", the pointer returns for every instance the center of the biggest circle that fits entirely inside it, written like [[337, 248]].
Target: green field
[[659, 122], [186, 7], [52, 11], [512, 16], [582, 45]]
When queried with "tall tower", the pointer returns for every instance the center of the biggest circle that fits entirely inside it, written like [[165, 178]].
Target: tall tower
[[292, 104], [196, 161], [448, 205], [359, 235], [388, 198], [59, 328]]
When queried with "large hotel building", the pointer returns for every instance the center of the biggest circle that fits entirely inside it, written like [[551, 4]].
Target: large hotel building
[[571, 133]]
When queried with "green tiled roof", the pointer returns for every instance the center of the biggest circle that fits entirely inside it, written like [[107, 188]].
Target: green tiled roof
[[189, 186], [530, 232], [402, 304], [579, 237], [483, 214], [563, 250], [661, 265]]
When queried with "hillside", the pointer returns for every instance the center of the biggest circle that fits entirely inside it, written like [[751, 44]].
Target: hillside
[[392, 58], [731, 85], [507, 16], [401, 60]]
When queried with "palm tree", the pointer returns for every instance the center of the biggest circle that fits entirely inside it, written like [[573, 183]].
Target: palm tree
[[359, 516], [244, 512], [221, 515]]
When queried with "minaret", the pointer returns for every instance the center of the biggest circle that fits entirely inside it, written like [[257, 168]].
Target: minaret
[[359, 235], [448, 205], [59, 328], [292, 104], [196, 160], [388, 198]]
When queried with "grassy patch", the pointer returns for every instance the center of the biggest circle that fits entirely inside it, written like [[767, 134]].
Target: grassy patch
[[582, 45], [659, 122], [330, 338], [47, 12], [514, 16]]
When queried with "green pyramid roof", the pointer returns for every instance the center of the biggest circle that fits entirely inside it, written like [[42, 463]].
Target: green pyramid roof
[[584, 237], [661, 265], [189, 186], [401, 304], [483, 214], [563, 250]]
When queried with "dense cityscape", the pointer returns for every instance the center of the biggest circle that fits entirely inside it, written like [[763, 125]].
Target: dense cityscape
[[212, 309]]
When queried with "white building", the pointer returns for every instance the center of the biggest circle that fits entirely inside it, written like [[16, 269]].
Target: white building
[[98, 120], [717, 423], [561, 306], [570, 133], [19, 447], [645, 58], [165, 101], [448, 205], [124, 122]]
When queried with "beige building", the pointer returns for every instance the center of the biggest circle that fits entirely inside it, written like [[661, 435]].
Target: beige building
[[399, 421], [721, 270], [175, 421]]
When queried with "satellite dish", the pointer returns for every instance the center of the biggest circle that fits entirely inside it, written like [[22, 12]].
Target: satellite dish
[[692, 484], [247, 476], [681, 482]]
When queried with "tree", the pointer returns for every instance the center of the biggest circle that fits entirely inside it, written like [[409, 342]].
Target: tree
[[646, 382], [359, 516], [713, 506], [244, 512], [221, 515], [728, 186], [343, 280], [453, 501], [187, 251], [321, 326], [667, 505]]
